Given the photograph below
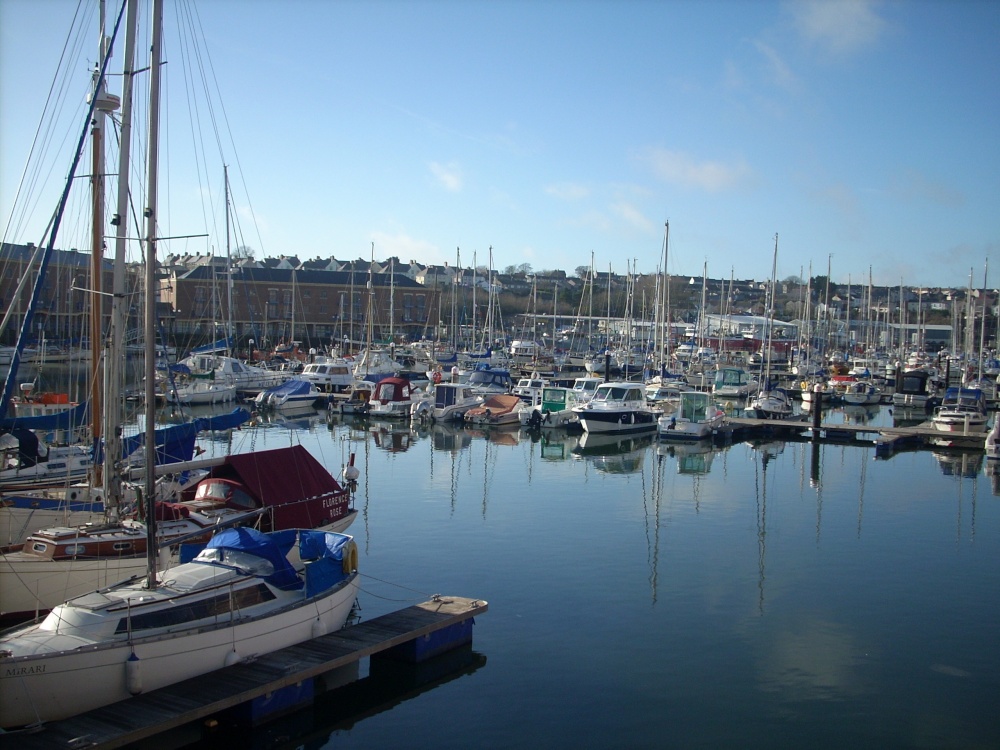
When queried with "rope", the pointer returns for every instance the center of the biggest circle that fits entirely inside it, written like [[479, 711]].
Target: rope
[[423, 594]]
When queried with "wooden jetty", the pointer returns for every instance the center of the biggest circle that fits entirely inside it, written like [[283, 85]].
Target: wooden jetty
[[413, 634]]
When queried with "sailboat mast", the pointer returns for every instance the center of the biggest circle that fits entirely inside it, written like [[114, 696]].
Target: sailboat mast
[[229, 270], [150, 214], [104, 104], [114, 362], [982, 329]]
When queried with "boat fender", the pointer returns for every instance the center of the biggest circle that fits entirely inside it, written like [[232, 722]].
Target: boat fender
[[133, 674], [232, 658], [350, 557], [548, 416]]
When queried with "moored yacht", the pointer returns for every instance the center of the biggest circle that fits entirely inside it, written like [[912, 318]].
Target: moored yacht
[[619, 407]]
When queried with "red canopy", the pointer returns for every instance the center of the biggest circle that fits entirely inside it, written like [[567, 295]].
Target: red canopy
[[302, 493]]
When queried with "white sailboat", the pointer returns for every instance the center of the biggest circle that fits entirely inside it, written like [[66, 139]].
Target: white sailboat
[[770, 403], [247, 594]]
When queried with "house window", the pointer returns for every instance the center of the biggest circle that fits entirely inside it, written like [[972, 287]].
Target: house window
[[407, 308]]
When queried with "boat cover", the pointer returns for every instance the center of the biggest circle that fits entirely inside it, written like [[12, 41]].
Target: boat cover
[[282, 478], [69, 419], [272, 547], [176, 443]]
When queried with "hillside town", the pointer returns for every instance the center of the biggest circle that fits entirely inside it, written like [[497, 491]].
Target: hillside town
[[321, 302]]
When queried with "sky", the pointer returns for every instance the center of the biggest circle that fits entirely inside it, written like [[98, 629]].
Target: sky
[[555, 134]]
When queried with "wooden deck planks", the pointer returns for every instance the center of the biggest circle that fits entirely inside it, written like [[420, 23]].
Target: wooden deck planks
[[173, 706]]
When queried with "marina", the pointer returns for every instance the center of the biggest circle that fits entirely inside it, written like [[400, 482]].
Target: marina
[[701, 512], [762, 588]]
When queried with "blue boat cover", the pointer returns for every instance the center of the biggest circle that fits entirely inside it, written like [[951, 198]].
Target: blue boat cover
[[69, 419], [271, 547], [176, 443]]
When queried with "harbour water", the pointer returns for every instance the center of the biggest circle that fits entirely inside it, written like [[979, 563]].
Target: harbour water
[[778, 595]]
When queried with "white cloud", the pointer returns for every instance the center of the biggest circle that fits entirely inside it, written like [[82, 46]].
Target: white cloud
[[779, 71], [680, 168], [839, 26], [448, 175], [568, 191], [632, 216]]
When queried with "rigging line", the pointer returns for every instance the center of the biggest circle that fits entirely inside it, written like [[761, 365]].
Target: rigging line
[[50, 114], [228, 128], [36, 291]]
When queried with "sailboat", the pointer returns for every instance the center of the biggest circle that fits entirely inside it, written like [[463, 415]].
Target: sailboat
[[245, 594], [770, 403]]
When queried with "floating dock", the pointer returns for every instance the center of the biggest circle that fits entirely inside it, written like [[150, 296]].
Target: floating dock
[[415, 633], [887, 440]]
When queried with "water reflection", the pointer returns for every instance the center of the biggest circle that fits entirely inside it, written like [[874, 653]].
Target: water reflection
[[903, 417], [861, 414], [966, 464], [692, 458], [501, 434], [339, 709], [992, 471], [614, 454], [810, 660], [299, 418], [557, 445], [394, 436], [768, 451], [449, 437]]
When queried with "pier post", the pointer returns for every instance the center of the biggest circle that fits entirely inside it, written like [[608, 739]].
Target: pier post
[[817, 407]]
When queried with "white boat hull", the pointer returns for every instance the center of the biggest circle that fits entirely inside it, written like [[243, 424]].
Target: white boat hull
[[38, 683]]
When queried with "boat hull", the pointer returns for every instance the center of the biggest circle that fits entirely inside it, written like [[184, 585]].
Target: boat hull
[[617, 422], [33, 688]]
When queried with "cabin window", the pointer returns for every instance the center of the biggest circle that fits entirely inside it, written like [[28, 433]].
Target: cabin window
[[76, 549], [122, 546], [197, 610], [39, 547]]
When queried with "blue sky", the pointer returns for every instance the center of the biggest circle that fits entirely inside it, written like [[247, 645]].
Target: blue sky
[[864, 133]]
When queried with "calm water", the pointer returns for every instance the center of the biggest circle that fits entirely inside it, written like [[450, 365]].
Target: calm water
[[757, 595]]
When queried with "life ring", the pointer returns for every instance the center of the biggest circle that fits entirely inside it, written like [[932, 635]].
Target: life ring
[[436, 377]]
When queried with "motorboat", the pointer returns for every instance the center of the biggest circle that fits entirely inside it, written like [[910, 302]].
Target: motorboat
[[394, 398], [962, 410], [734, 382], [500, 408], [451, 402], [618, 407], [697, 417], [554, 408], [330, 375], [290, 394]]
